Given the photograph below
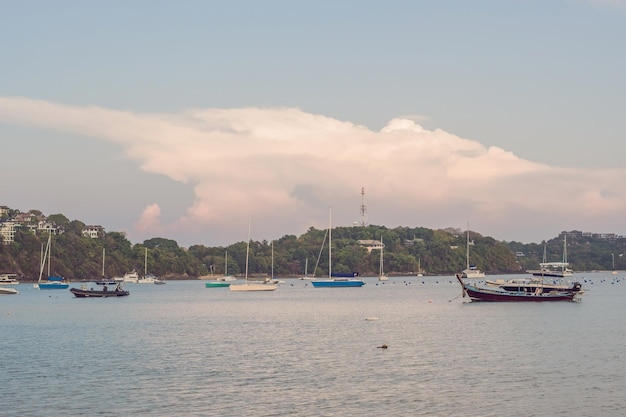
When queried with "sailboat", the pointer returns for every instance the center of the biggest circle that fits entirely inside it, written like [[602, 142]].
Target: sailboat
[[470, 271], [306, 269], [226, 277], [272, 279], [614, 272], [148, 278], [248, 285], [335, 280], [104, 280], [381, 273], [554, 269], [223, 281], [419, 267], [52, 282]]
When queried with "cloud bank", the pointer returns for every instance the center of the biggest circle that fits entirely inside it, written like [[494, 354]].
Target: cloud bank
[[283, 168]]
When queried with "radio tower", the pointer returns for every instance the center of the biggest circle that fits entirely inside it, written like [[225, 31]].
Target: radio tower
[[363, 208]]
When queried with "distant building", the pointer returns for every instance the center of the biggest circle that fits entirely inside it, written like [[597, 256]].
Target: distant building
[[7, 231], [47, 227], [411, 242], [93, 232], [24, 218], [371, 245]]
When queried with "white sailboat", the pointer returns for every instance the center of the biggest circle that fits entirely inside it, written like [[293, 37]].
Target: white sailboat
[[470, 271], [614, 272], [248, 285], [272, 279], [381, 273], [419, 267], [148, 278], [306, 269], [226, 277], [223, 281]]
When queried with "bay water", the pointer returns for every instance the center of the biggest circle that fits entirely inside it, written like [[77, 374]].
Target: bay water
[[181, 349]]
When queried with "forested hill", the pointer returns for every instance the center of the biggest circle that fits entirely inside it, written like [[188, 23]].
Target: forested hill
[[437, 252]]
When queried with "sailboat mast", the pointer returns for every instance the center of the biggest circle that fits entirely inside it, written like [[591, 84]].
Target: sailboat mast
[[381, 256], [103, 253], [467, 248], [44, 257], [330, 243], [41, 262], [247, 251], [49, 250], [613, 260], [145, 262], [272, 260]]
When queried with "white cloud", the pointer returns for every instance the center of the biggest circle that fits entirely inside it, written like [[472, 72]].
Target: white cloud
[[149, 220], [283, 167]]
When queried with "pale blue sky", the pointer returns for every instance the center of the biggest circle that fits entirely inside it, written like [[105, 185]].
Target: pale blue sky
[[543, 81]]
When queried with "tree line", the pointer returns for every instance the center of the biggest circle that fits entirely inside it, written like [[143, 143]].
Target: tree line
[[407, 250]]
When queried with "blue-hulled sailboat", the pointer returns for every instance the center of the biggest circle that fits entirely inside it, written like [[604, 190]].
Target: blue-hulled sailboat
[[336, 280], [53, 282]]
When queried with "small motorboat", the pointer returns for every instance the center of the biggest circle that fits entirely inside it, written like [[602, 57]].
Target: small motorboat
[[7, 290], [101, 291]]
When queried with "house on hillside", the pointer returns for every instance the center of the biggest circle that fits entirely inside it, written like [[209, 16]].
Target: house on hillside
[[93, 232], [7, 231], [45, 227], [371, 245]]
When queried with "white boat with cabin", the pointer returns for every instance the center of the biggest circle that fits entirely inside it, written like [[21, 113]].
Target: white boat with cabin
[[9, 279]]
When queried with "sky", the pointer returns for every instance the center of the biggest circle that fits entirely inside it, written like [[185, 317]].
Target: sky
[[190, 120]]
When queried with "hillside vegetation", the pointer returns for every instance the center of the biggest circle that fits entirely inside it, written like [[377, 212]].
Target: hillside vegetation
[[438, 252]]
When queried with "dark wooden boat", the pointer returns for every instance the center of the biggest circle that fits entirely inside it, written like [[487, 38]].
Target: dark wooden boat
[[102, 291], [476, 293]]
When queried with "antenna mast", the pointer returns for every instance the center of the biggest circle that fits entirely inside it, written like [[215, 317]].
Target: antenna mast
[[363, 208]]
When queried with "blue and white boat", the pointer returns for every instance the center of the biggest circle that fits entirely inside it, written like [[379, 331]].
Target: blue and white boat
[[53, 282], [336, 280]]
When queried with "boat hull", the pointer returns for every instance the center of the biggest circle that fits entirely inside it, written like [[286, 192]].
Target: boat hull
[[53, 286], [217, 284], [84, 293], [253, 287], [8, 291], [501, 295], [338, 283], [510, 296]]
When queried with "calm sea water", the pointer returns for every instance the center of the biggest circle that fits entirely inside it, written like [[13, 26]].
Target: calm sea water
[[185, 350]]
